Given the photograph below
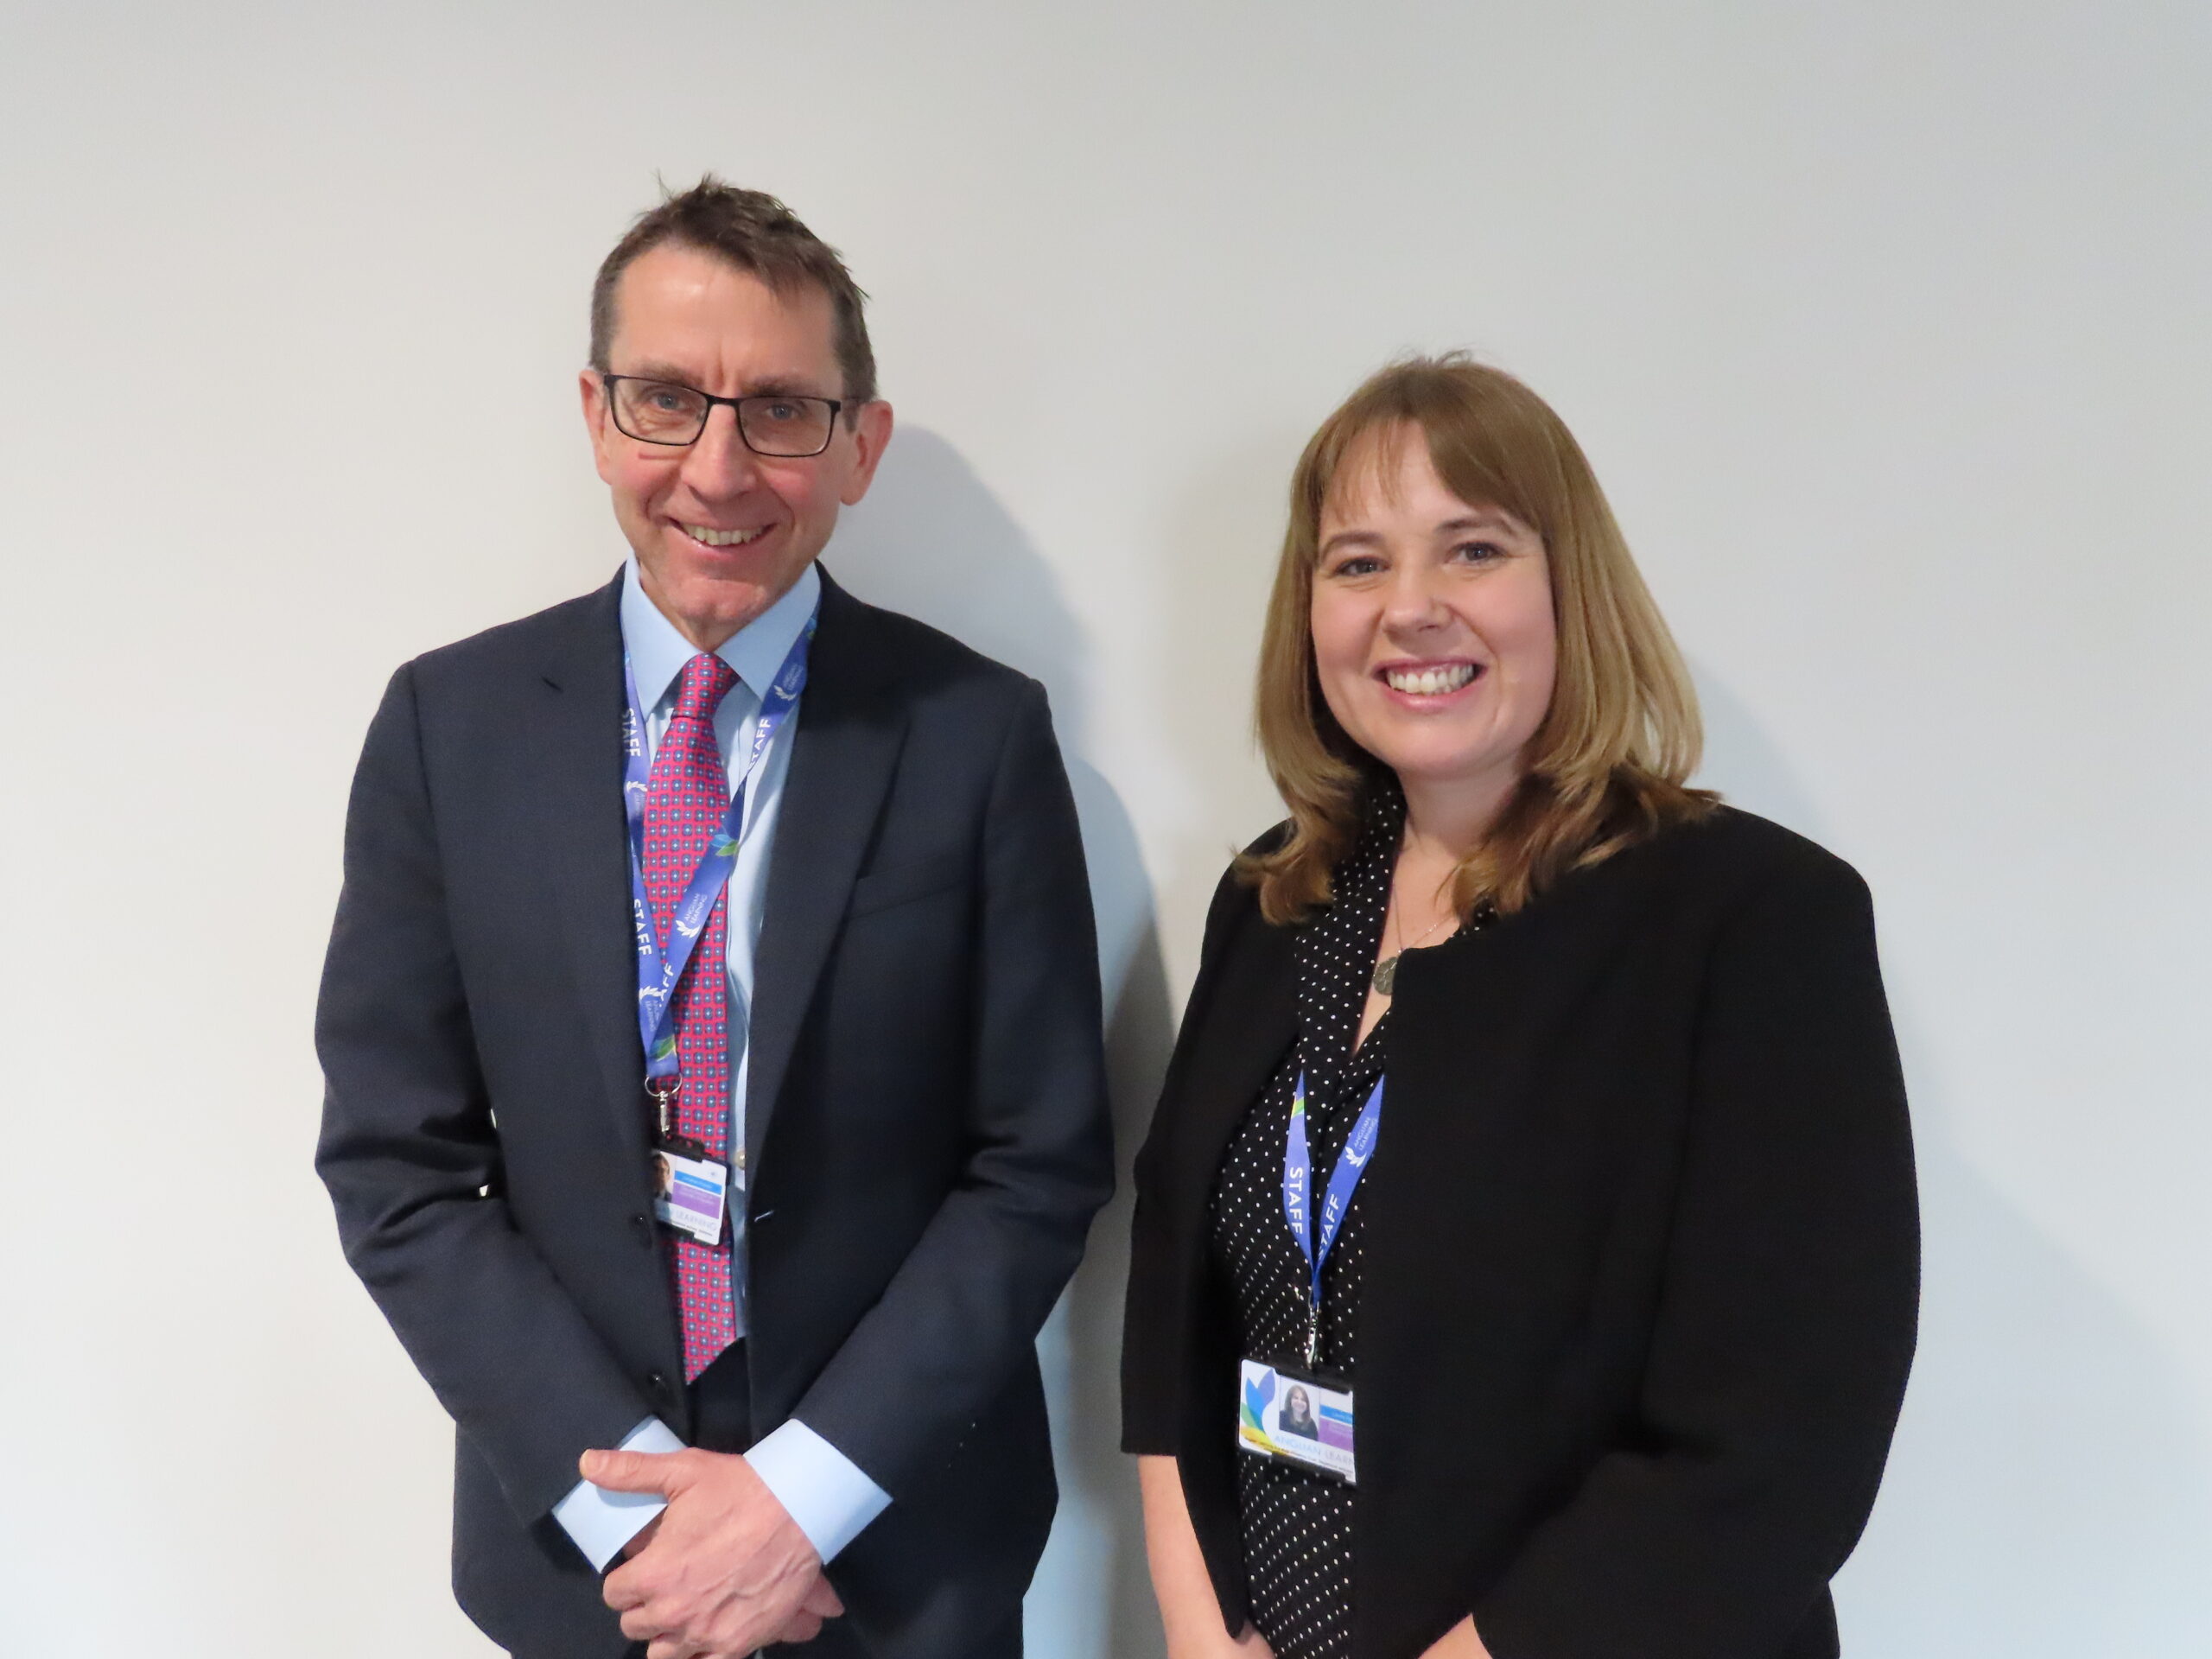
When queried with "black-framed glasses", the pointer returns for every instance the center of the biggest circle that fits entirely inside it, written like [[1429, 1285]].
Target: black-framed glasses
[[787, 426]]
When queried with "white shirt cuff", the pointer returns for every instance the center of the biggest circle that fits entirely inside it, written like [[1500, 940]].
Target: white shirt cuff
[[821, 1488], [602, 1521]]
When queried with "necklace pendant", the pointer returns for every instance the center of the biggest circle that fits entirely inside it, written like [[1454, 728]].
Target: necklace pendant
[[1386, 975]]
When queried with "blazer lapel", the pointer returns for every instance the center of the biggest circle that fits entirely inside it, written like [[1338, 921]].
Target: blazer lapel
[[585, 850], [1254, 1007], [847, 737]]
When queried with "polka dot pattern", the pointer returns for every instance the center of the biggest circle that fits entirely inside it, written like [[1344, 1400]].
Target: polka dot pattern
[[1297, 1525], [687, 799]]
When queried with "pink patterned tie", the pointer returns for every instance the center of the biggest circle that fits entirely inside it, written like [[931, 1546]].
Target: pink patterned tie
[[686, 801]]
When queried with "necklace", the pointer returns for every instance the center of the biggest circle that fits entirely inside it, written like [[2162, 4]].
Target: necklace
[[1386, 971]]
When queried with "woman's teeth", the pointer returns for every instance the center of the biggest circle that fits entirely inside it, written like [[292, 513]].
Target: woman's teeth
[[708, 537], [1429, 682]]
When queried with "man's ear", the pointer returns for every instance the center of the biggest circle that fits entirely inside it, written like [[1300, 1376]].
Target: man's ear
[[871, 432], [594, 392]]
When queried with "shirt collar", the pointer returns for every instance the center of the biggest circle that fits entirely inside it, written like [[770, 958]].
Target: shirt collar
[[657, 652]]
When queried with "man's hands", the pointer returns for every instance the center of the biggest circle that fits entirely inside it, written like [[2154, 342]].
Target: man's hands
[[723, 1570]]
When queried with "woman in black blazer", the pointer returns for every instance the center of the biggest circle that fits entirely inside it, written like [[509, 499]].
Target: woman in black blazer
[[1623, 1299]]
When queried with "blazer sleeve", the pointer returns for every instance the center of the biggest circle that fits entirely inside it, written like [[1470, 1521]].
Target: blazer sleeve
[[1786, 1317], [960, 1319], [1153, 1317], [411, 1159]]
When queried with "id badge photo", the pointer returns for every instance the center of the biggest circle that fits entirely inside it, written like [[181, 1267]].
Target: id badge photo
[[1296, 1416], [690, 1191]]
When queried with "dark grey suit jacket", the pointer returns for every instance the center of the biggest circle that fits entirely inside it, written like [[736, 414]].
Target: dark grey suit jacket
[[924, 1123]]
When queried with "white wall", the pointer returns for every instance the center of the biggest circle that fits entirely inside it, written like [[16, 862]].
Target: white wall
[[1886, 324]]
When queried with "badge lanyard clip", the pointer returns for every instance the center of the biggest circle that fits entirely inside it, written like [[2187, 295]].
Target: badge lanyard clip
[[1344, 1180], [663, 1091]]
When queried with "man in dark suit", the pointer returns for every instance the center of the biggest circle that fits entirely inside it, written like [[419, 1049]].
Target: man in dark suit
[[715, 1098]]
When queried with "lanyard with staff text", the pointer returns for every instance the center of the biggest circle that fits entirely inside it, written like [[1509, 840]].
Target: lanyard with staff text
[[660, 970], [1298, 1188]]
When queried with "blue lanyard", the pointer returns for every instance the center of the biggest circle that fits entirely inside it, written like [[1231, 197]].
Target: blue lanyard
[[1298, 1186], [658, 972]]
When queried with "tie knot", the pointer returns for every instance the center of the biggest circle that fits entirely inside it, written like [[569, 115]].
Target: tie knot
[[707, 680]]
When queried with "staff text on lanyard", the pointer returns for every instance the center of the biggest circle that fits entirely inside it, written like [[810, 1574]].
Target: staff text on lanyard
[[1344, 1180]]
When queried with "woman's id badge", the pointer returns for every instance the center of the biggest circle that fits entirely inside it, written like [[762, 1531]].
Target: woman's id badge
[[690, 1191], [1297, 1416]]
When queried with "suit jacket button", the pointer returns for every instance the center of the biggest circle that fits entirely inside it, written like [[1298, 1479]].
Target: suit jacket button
[[644, 1226]]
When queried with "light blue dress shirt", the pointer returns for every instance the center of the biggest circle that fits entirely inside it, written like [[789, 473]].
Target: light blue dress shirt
[[824, 1491]]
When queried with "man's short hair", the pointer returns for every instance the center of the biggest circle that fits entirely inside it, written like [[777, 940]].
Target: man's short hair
[[753, 230]]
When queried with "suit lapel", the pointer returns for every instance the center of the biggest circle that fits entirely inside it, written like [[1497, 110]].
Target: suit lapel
[[585, 850], [846, 739]]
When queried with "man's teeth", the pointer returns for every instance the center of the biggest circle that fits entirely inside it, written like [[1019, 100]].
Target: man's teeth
[[1430, 681], [718, 538]]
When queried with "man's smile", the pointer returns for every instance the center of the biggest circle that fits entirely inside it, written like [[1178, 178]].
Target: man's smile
[[708, 537]]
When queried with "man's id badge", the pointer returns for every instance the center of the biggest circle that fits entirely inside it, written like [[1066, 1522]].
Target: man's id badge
[[1294, 1415], [690, 1191]]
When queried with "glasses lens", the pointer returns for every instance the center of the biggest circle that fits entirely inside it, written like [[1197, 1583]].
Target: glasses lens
[[658, 412], [787, 426]]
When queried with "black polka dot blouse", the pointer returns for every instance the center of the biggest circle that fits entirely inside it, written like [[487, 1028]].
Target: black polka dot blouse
[[1297, 1525]]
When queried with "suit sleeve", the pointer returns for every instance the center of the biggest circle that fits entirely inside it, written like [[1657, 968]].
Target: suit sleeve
[[412, 1158], [959, 1320], [1785, 1324]]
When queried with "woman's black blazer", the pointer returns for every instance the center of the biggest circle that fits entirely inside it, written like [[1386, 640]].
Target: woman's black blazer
[[1641, 1271]]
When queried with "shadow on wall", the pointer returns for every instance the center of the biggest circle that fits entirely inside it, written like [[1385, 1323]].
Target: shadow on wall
[[933, 541], [2047, 1491], [2046, 1494], [1221, 537]]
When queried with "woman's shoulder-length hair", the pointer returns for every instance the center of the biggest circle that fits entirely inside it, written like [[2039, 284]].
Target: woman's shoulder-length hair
[[1609, 765]]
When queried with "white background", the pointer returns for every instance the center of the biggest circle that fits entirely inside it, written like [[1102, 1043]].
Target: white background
[[1885, 325]]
